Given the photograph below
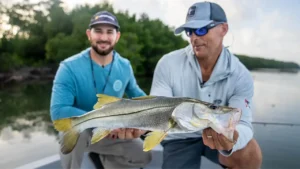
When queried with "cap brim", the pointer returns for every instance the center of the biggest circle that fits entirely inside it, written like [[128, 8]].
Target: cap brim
[[192, 24], [104, 22]]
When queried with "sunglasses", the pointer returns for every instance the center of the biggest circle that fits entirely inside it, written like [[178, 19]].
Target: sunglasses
[[201, 31]]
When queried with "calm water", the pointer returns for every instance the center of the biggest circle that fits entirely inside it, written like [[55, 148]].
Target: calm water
[[26, 133]]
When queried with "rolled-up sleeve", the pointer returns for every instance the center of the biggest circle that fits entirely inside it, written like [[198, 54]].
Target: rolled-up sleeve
[[242, 98], [161, 82], [63, 95]]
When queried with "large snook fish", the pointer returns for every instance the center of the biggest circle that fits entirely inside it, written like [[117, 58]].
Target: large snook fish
[[158, 114]]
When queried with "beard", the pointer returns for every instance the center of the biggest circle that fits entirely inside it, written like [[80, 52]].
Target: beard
[[102, 52]]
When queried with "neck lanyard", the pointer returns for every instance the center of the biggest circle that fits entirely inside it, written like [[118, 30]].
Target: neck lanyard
[[107, 77]]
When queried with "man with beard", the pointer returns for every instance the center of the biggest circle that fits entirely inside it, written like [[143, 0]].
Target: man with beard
[[98, 69], [208, 71]]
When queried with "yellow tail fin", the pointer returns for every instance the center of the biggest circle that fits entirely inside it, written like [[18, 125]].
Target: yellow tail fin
[[105, 99], [63, 124]]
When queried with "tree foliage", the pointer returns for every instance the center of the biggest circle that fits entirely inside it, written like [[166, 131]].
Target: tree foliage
[[44, 33], [259, 63]]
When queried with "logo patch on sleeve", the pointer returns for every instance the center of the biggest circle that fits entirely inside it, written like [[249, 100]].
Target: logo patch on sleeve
[[118, 85], [247, 103]]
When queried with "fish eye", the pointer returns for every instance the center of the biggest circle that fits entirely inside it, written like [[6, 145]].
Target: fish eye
[[213, 106]]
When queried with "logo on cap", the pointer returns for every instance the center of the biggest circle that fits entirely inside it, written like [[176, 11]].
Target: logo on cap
[[191, 11], [104, 17], [107, 16]]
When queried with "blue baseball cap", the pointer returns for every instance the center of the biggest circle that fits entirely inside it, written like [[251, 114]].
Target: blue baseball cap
[[104, 17], [202, 14]]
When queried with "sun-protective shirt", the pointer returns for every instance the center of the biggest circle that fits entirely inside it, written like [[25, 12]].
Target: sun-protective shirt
[[73, 91], [178, 73]]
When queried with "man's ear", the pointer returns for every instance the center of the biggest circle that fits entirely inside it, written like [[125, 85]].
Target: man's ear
[[118, 36], [224, 29], [88, 34]]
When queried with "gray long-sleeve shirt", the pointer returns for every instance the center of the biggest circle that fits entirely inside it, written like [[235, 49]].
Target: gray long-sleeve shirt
[[178, 74]]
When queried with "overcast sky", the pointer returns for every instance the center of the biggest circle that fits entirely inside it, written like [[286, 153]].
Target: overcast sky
[[263, 28]]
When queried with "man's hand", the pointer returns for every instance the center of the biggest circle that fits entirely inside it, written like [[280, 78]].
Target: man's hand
[[126, 133], [218, 141]]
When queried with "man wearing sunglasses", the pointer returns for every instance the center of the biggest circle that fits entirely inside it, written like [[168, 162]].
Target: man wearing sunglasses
[[206, 70]]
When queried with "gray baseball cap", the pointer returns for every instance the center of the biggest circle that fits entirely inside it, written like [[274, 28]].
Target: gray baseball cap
[[201, 14]]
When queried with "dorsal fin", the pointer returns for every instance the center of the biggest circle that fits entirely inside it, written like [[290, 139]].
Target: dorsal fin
[[105, 99], [143, 97]]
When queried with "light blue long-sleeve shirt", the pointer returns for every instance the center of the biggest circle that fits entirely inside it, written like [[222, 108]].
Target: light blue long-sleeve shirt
[[179, 74], [73, 91]]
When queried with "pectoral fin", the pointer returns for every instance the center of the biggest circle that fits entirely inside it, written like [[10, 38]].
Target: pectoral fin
[[195, 123], [69, 141], [201, 120], [199, 123], [153, 139], [99, 134]]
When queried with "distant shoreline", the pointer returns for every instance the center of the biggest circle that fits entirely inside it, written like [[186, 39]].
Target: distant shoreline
[[276, 70], [27, 74], [31, 74]]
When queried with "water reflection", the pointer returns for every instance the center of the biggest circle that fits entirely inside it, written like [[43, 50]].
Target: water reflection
[[280, 146], [276, 100], [26, 139], [25, 101], [26, 133], [26, 125], [22, 147], [276, 97]]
